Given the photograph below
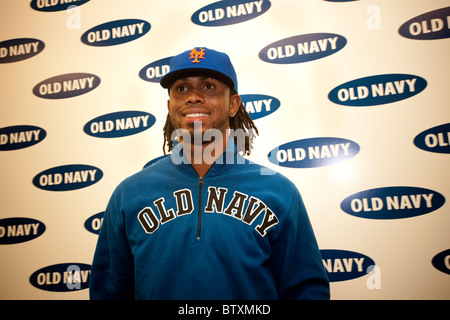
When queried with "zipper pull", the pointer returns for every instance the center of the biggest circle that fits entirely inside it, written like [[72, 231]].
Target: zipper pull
[[200, 181]]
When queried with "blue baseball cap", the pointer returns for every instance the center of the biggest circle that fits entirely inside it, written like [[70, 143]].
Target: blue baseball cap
[[201, 61]]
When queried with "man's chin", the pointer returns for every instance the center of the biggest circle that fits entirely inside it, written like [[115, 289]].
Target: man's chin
[[199, 136]]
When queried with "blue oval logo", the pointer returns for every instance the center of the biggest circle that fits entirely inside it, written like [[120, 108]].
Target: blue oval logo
[[115, 32], [94, 223], [66, 86], [20, 49], [428, 26], [54, 5], [313, 152], [436, 139], [259, 105], [17, 230], [119, 124], [154, 71], [67, 177], [342, 265], [19, 137], [62, 277], [376, 90], [392, 203], [302, 48], [226, 12], [441, 261]]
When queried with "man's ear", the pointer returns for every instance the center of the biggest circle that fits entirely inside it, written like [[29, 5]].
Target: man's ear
[[235, 103]]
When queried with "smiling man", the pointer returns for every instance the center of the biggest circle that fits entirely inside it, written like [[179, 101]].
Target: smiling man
[[204, 222], [199, 105], [203, 99]]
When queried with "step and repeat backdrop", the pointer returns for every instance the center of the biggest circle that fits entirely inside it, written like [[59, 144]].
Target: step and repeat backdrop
[[351, 99]]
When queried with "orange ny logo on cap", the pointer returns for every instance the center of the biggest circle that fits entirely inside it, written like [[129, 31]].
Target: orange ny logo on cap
[[197, 55]]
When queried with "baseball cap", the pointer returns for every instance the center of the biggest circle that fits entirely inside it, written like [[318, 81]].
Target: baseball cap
[[201, 61]]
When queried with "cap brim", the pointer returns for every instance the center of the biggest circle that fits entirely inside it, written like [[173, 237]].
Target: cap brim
[[171, 77]]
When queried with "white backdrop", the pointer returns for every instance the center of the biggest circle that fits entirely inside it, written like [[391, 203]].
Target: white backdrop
[[351, 99]]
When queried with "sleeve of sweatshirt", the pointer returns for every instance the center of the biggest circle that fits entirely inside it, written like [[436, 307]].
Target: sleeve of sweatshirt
[[297, 260], [112, 271]]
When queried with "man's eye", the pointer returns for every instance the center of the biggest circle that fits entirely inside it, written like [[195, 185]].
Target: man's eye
[[181, 88], [209, 86]]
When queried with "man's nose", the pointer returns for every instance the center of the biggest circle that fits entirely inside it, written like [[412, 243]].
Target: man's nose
[[194, 97]]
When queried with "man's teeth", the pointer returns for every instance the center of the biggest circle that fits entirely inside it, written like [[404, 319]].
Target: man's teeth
[[196, 115]]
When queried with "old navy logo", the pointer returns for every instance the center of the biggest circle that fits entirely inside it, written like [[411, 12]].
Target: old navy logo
[[150, 222], [119, 124], [154, 71], [392, 203], [94, 223], [227, 12], [441, 261], [115, 32], [19, 137], [19, 49], [55, 5], [342, 265], [17, 230], [62, 277], [313, 152], [195, 55], [436, 139], [428, 26], [258, 105], [302, 48], [377, 90], [67, 177], [66, 86]]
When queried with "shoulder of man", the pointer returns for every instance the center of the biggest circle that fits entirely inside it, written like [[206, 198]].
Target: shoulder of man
[[153, 167], [267, 176]]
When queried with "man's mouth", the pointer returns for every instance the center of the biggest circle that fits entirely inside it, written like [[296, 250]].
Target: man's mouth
[[196, 115]]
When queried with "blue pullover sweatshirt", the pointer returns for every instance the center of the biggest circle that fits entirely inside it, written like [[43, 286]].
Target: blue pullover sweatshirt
[[239, 232]]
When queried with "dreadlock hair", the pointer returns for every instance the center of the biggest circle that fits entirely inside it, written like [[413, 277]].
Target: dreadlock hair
[[243, 130]]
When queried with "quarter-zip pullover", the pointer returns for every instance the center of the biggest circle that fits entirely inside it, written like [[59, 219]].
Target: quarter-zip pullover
[[239, 232]]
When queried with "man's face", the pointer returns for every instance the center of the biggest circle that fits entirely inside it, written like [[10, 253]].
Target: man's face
[[201, 99]]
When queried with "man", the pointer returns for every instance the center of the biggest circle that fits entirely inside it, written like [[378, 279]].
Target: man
[[203, 222]]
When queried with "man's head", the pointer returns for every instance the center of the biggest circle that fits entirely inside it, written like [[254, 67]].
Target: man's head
[[201, 61], [202, 86]]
